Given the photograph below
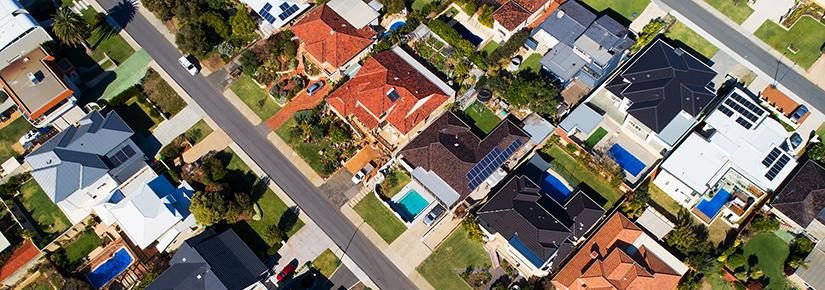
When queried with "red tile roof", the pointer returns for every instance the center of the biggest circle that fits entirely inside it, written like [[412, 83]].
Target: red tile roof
[[614, 267], [511, 15], [330, 38], [21, 255], [366, 95]]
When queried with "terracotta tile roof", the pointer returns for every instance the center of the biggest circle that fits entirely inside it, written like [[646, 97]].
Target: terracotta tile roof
[[449, 148], [781, 101], [367, 95], [615, 266], [330, 38], [511, 15], [21, 255], [531, 5]]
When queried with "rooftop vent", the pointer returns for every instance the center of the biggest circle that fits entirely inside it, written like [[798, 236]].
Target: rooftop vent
[[35, 77], [594, 254], [560, 14]]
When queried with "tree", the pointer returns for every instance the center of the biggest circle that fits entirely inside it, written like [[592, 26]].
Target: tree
[[249, 62], [192, 39], [817, 152], [689, 281], [208, 207], [485, 15], [509, 47], [72, 283], [762, 224], [393, 6], [161, 8], [242, 24], [275, 233], [70, 28], [217, 23], [637, 202], [737, 261], [213, 169], [188, 10], [473, 229]]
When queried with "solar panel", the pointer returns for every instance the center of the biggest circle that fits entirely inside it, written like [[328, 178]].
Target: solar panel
[[128, 151], [744, 123], [771, 157], [266, 7], [490, 163], [283, 6], [725, 110], [777, 167]]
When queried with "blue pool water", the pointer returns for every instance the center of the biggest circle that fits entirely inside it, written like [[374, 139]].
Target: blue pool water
[[555, 188], [409, 206], [467, 34], [394, 26], [711, 207], [626, 160], [111, 268]]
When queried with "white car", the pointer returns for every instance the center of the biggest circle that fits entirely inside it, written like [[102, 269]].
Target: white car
[[358, 177], [186, 64], [29, 137]]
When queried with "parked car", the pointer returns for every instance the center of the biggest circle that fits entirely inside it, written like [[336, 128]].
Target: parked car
[[285, 273], [433, 215], [188, 66], [800, 112], [312, 89], [358, 176], [796, 140], [29, 137]]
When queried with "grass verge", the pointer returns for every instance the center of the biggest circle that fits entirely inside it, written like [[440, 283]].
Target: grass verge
[[326, 263], [453, 256], [254, 97], [806, 36]]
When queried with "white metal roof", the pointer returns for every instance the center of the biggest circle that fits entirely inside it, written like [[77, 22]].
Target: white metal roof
[[356, 12], [14, 22], [814, 273]]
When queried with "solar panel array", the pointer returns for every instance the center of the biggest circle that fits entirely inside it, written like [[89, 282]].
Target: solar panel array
[[286, 11], [121, 156], [771, 157], [749, 111], [490, 163], [778, 166]]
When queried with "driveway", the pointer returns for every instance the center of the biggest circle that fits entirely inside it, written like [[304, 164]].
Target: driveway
[[338, 188]]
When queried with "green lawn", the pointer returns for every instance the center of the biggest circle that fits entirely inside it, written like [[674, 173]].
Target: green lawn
[[83, 244], [681, 33], [254, 96], [139, 114], [379, 217], [45, 213], [308, 151], [595, 137], [326, 263], [807, 35], [490, 47], [663, 202], [198, 132], [629, 9], [531, 63], [452, 257], [417, 4], [10, 135], [482, 118], [105, 40], [401, 178], [770, 252], [566, 162], [737, 11], [821, 130]]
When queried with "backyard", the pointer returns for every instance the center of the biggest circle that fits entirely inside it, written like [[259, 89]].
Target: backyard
[[531, 63], [481, 117], [254, 97], [595, 137], [82, 245], [562, 161], [453, 256], [681, 33], [379, 217], [47, 216], [806, 36], [418, 4], [629, 9], [10, 135], [736, 10], [770, 252], [326, 263]]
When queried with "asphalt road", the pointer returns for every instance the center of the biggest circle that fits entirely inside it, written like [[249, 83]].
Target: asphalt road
[[754, 53], [279, 168]]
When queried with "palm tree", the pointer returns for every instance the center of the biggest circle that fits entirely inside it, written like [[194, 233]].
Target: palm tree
[[70, 28]]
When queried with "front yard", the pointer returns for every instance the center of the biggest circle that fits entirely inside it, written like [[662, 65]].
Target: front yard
[[10, 135], [769, 253], [47, 216], [563, 161], [806, 35], [458, 252], [736, 10], [254, 97], [326, 263], [320, 139], [681, 33], [629, 9], [379, 217], [481, 117]]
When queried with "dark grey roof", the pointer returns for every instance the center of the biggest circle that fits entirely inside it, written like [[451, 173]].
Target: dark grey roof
[[545, 227], [80, 155], [210, 261], [802, 199], [662, 82], [568, 22]]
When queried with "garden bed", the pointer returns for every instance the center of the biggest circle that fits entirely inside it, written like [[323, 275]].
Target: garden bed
[[320, 139]]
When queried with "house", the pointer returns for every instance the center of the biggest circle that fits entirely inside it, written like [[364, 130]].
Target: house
[[83, 166], [529, 227], [391, 97], [150, 210], [731, 162], [39, 85], [620, 256], [337, 35], [453, 163], [213, 261], [20, 259], [514, 15], [800, 202], [644, 110], [582, 47], [275, 14], [810, 276], [791, 111]]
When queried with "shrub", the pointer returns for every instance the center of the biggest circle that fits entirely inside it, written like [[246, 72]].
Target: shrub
[[172, 150], [761, 224], [157, 90], [249, 62], [817, 152], [648, 33], [473, 229], [737, 261], [451, 36], [218, 24], [509, 47], [192, 39], [485, 15]]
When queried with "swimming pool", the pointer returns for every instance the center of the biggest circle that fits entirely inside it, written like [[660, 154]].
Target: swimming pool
[[553, 186], [711, 207], [409, 206], [393, 27], [112, 267], [467, 34], [626, 160]]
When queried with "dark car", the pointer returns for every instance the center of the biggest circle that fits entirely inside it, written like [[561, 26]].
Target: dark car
[[796, 140], [800, 112], [433, 215], [312, 89]]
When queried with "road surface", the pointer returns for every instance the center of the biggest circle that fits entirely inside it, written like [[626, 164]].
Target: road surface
[[753, 52], [280, 169]]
